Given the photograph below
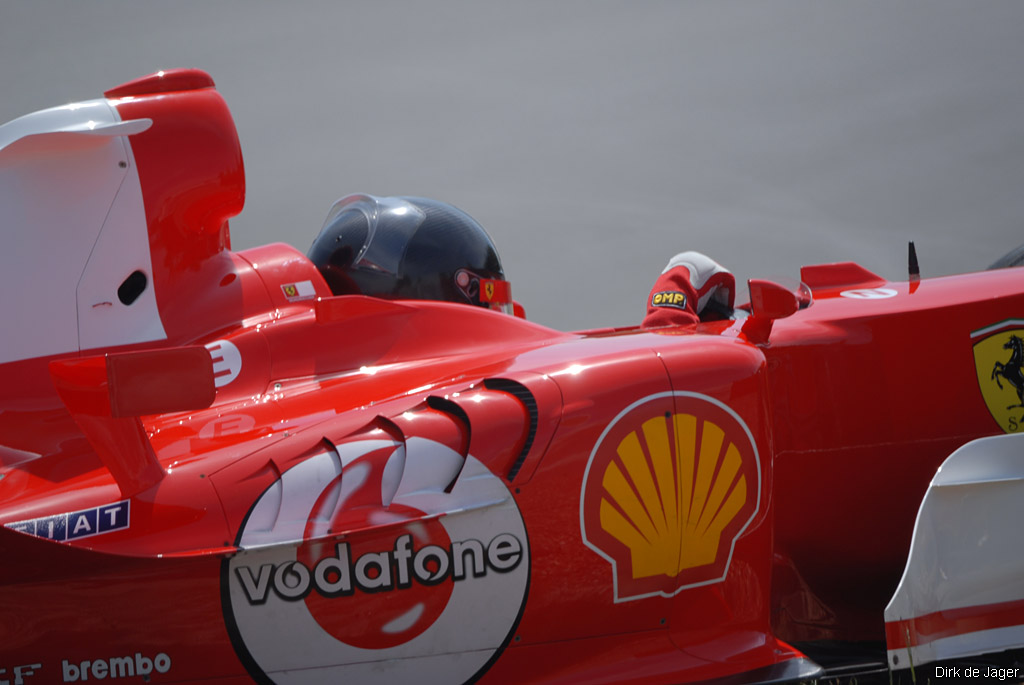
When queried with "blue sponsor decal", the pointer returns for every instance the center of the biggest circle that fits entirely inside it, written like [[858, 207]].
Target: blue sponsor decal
[[53, 527], [77, 524], [82, 524], [113, 517], [23, 527]]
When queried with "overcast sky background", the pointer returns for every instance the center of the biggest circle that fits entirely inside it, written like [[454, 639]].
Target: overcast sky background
[[594, 139]]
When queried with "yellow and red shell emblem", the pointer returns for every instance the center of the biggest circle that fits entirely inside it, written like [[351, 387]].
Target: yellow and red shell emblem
[[670, 485]]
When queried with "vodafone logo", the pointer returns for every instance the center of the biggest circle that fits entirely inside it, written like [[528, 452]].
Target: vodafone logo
[[338, 575], [403, 584]]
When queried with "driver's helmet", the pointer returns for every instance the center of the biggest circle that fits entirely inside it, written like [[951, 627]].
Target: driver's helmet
[[409, 248]]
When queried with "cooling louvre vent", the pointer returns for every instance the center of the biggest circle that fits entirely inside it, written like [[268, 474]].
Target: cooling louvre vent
[[521, 393]]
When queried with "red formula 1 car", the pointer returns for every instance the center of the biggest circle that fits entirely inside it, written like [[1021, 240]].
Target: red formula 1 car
[[213, 468]]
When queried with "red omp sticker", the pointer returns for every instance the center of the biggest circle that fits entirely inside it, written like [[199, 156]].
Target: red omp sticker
[[337, 576], [670, 485]]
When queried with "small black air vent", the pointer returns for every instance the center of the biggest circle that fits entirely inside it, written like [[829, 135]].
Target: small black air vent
[[132, 287], [523, 394]]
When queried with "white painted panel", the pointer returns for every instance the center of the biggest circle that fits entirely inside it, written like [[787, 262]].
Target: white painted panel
[[70, 197], [967, 549], [122, 248], [54, 200]]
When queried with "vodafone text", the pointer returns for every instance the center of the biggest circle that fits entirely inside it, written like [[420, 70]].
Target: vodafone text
[[339, 575]]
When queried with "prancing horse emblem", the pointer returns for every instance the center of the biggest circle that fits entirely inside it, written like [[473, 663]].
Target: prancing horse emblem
[[1011, 370], [1005, 400]]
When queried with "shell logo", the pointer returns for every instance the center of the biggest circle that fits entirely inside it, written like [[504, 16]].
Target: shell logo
[[670, 486]]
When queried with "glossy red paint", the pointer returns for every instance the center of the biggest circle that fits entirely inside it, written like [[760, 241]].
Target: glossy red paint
[[629, 505], [190, 167], [162, 82], [869, 395]]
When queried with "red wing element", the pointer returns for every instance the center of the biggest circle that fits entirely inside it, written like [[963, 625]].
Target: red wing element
[[840, 275], [107, 394], [163, 82]]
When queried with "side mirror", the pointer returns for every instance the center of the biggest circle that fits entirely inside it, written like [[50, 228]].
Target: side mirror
[[770, 301]]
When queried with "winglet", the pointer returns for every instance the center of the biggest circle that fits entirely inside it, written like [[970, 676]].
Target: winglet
[[107, 394], [166, 81]]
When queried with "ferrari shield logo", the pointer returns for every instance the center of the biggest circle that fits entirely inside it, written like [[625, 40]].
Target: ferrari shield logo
[[998, 358], [489, 290]]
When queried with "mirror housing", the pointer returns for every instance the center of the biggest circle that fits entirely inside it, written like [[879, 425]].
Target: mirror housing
[[769, 301]]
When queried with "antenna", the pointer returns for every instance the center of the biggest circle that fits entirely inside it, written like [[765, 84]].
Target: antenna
[[915, 270]]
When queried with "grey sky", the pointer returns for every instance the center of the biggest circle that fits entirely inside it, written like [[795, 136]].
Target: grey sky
[[594, 139]]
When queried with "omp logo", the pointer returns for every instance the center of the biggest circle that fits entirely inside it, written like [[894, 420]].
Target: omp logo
[[998, 360], [227, 362], [669, 298], [669, 487], [405, 582]]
